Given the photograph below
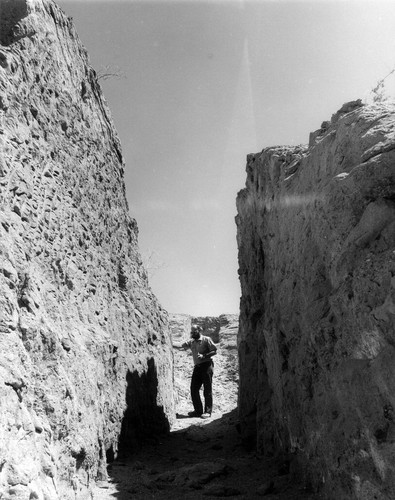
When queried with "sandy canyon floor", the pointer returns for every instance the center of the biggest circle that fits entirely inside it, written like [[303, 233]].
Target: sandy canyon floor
[[199, 459]]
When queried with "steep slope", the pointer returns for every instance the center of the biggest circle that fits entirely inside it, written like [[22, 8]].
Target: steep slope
[[86, 360], [316, 237]]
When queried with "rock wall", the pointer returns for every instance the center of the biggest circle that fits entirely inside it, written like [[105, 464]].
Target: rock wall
[[86, 360], [223, 331], [316, 238]]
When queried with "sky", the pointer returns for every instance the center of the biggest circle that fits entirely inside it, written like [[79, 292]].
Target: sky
[[197, 86]]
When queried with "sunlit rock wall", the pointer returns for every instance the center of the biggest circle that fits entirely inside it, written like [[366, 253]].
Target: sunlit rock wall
[[85, 355], [316, 238]]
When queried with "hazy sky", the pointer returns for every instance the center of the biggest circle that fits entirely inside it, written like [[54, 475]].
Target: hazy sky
[[205, 83]]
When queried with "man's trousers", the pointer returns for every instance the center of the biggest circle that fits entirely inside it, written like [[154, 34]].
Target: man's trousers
[[202, 375]]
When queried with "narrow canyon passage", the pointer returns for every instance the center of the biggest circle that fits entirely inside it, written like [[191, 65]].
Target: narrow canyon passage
[[90, 371], [201, 458]]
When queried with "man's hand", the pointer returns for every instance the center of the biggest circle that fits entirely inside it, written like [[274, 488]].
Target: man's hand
[[200, 356], [180, 345]]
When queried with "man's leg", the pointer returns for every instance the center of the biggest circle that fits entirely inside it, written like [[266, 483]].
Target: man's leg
[[196, 384], [208, 389]]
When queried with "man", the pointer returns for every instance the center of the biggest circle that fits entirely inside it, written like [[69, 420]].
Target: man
[[203, 349]]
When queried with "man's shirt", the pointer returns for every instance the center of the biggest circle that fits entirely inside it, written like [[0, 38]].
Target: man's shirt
[[201, 346]]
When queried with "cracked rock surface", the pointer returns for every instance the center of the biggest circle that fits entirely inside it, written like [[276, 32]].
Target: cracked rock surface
[[316, 238]]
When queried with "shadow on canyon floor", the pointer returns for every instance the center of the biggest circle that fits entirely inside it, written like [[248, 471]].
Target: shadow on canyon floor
[[199, 459]]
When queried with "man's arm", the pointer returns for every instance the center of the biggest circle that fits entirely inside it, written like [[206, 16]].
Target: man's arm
[[208, 354], [181, 345], [211, 352]]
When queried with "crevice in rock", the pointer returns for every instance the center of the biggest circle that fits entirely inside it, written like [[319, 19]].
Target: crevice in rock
[[79, 457], [17, 388], [110, 455], [122, 277], [11, 12]]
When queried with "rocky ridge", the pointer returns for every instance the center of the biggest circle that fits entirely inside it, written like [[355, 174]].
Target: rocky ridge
[[86, 359], [316, 238]]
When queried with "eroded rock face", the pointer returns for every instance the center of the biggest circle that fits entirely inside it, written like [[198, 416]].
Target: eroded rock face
[[316, 238], [223, 331], [86, 361]]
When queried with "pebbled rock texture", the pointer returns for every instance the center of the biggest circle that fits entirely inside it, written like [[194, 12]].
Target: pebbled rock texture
[[86, 359], [223, 331], [316, 238]]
